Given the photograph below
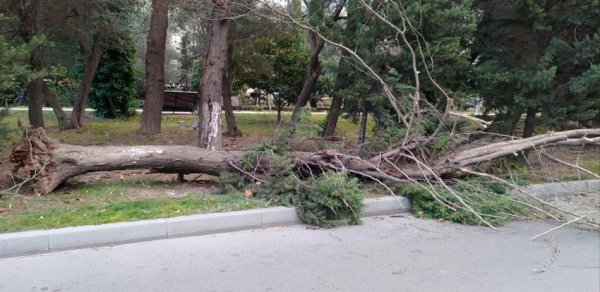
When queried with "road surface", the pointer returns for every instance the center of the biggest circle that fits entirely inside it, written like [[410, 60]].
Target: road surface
[[384, 254]]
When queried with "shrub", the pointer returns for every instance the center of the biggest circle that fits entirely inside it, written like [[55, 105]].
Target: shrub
[[114, 87], [488, 199], [318, 200], [331, 196]]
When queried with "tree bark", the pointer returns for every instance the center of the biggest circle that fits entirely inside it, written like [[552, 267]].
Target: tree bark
[[61, 117], [529, 122], [155, 68], [211, 100], [362, 131], [342, 79], [29, 13], [341, 82], [232, 128], [315, 44], [81, 101], [36, 103], [48, 164]]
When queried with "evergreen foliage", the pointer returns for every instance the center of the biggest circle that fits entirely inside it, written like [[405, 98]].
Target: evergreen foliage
[[14, 69], [114, 87], [320, 200], [330, 197], [274, 62], [539, 57], [489, 199]]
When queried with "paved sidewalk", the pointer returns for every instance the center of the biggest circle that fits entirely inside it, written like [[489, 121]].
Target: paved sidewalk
[[384, 254]]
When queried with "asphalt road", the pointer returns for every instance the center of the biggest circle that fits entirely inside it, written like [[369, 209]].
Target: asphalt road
[[384, 254]]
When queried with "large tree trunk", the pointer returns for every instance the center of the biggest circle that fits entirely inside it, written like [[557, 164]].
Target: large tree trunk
[[315, 44], [211, 100], [36, 103], [48, 164], [28, 21], [155, 67], [232, 128], [81, 100]]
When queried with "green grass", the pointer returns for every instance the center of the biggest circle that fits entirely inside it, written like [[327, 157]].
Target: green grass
[[176, 129], [111, 202]]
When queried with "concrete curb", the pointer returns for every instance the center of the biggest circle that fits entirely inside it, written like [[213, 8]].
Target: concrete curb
[[562, 188], [22, 243]]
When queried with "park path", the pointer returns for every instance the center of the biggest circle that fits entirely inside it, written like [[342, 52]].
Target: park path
[[384, 254], [68, 109]]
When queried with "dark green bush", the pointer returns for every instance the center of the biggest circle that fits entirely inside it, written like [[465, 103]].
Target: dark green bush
[[330, 197], [113, 93], [318, 200]]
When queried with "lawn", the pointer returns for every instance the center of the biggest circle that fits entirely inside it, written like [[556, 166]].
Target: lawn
[[107, 202], [176, 130]]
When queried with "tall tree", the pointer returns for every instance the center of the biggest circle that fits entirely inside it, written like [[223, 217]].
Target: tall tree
[[211, 85], [539, 58], [342, 79], [30, 16], [318, 16], [94, 26], [155, 67]]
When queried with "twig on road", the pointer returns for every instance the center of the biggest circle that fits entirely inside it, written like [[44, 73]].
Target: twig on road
[[563, 225]]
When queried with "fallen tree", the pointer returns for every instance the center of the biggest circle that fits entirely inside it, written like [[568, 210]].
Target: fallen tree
[[46, 164]]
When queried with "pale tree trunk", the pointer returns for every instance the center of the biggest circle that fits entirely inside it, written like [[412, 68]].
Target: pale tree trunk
[[232, 128], [81, 101], [155, 67], [211, 99], [315, 44]]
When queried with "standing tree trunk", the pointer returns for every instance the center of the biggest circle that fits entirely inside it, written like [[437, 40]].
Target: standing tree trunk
[[341, 81], [211, 99], [333, 115], [315, 44], [155, 67], [81, 101], [529, 122], [29, 13], [232, 128], [61, 117], [362, 131], [36, 103]]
